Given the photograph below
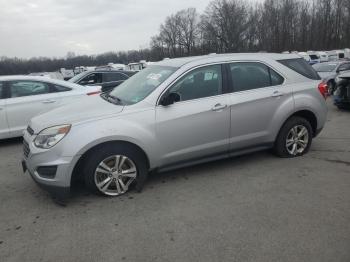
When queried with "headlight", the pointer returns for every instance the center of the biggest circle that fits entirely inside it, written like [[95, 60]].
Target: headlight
[[49, 137], [337, 79]]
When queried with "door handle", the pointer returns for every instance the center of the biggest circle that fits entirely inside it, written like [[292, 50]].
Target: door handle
[[277, 94], [49, 101], [219, 107]]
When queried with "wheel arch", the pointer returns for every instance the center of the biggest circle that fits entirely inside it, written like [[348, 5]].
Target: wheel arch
[[306, 114], [77, 170]]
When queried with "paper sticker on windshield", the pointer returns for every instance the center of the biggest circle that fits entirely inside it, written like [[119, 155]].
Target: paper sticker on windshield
[[154, 76]]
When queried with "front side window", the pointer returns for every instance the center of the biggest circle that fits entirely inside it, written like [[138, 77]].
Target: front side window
[[91, 79], [138, 87], [111, 77], [28, 88], [251, 75], [202, 82]]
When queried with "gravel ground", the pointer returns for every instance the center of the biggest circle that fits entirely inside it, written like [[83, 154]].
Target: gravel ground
[[251, 208]]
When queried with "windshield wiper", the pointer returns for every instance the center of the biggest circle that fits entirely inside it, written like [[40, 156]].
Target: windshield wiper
[[112, 99]]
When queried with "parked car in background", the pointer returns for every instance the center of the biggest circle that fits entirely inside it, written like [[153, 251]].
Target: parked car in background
[[328, 72], [107, 79], [341, 96], [67, 73], [305, 56], [314, 58], [52, 75], [23, 97], [323, 56], [176, 113], [336, 55]]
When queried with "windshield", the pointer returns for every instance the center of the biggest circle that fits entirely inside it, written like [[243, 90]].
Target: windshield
[[140, 85], [77, 77], [325, 67]]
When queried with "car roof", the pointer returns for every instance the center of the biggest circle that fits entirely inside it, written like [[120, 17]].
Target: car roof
[[179, 62], [109, 71], [40, 79]]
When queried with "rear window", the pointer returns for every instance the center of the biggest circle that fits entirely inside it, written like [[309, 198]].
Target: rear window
[[300, 66]]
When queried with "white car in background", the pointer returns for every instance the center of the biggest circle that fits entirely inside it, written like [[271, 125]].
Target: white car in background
[[23, 97]]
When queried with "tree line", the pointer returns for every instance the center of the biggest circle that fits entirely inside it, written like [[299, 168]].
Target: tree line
[[224, 26]]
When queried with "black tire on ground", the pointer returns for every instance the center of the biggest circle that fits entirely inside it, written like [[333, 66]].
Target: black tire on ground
[[115, 148], [280, 148]]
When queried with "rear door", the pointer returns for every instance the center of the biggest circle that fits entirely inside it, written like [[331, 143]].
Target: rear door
[[26, 100], [257, 97], [4, 129]]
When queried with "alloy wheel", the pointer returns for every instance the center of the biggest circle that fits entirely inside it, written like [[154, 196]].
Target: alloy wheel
[[114, 175], [297, 140]]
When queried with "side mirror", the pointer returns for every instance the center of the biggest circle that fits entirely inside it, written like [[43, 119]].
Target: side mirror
[[170, 99]]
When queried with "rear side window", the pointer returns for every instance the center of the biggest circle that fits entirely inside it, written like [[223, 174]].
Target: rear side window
[[110, 77], [252, 75], [300, 66], [28, 88]]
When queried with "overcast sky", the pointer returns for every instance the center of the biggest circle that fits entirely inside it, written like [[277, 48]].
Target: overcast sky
[[50, 28]]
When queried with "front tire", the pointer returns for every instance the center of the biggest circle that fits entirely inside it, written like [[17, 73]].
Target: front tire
[[112, 169], [294, 138]]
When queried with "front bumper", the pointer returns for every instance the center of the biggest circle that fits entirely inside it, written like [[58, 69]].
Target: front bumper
[[55, 191], [33, 158]]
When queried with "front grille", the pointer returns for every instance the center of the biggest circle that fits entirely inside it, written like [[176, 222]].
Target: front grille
[[30, 130], [26, 149]]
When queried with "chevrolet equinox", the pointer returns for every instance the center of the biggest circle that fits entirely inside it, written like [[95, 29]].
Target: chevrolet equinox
[[175, 113]]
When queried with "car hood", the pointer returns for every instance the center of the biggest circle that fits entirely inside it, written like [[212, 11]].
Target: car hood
[[326, 75], [85, 109]]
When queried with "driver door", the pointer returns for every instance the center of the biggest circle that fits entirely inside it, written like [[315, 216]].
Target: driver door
[[198, 125]]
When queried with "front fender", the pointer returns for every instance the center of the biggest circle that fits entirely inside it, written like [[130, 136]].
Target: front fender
[[88, 135]]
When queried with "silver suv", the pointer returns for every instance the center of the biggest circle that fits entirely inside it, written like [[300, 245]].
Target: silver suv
[[176, 113]]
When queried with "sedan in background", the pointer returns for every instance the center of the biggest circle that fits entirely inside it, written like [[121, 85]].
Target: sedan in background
[[23, 97], [328, 72], [107, 79]]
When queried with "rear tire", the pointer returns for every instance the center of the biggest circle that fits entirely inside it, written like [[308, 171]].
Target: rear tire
[[113, 168], [294, 138]]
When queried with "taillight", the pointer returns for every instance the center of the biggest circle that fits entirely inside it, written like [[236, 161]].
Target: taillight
[[94, 93], [323, 88]]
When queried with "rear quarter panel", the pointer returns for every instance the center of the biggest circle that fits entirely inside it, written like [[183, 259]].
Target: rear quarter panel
[[308, 97]]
